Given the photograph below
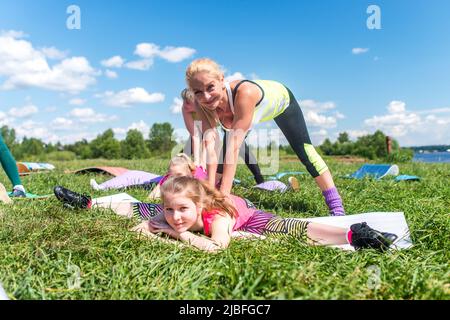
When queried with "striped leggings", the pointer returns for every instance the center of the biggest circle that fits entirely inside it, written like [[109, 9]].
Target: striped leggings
[[262, 223]]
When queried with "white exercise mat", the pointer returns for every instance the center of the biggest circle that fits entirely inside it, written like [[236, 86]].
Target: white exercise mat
[[393, 222], [3, 295], [120, 197]]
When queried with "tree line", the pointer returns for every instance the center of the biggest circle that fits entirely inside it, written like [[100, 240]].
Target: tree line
[[370, 146], [158, 143]]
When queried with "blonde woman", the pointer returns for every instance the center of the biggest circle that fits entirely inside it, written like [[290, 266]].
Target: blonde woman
[[190, 117], [240, 104]]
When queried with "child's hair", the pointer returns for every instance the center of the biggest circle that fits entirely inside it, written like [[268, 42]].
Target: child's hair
[[187, 95], [212, 68], [182, 159], [200, 193]]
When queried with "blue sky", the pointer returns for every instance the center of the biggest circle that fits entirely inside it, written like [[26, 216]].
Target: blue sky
[[125, 67]]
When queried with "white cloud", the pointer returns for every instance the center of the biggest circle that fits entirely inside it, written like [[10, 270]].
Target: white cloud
[[396, 107], [13, 34], [34, 129], [4, 119], [318, 137], [126, 98], [359, 50], [176, 106], [316, 106], [23, 112], [355, 134], [146, 50], [413, 128], [119, 131], [171, 54], [339, 115], [315, 113], [61, 123], [23, 67], [88, 115], [50, 109], [141, 65], [141, 126], [254, 76], [317, 120], [113, 62], [111, 74], [53, 53], [234, 76], [77, 101]]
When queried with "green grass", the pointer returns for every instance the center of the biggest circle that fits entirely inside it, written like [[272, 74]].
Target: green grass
[[42, 245]]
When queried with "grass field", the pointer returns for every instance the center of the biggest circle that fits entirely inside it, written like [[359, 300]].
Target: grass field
[[43, 247]]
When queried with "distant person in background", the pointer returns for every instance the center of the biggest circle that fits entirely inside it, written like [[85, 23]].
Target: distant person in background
[[10, 167], [190, 116]]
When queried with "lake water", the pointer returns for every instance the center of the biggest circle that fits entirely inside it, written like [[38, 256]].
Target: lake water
[[432, 157]]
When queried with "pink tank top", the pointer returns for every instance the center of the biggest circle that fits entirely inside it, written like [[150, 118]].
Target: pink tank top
[[244, 213]]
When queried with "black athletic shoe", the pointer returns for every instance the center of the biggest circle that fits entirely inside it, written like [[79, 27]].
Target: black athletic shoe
[[72, 199], [364, 236]]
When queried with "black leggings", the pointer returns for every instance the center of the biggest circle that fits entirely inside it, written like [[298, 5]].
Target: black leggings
[[246, 154], [293, 126]]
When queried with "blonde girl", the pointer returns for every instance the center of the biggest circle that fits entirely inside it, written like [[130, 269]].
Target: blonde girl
[[191, 206], [179, 165]]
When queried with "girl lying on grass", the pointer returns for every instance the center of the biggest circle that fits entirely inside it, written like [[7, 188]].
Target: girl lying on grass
[[179, 165], [190, 205]]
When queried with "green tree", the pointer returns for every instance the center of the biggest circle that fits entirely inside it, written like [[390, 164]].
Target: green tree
[[160, 138], [9, 136], [105, 146], [31, 149], [327, 147], [343, 137], [81, 148], [133, 146]]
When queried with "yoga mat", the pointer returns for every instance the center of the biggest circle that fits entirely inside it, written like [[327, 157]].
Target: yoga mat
[[393, 222], [128, 179], [30, 196], [3, 295], [120, 197], [376, 171], [114, 171], [25, 168], [272, 185], [405, 177]]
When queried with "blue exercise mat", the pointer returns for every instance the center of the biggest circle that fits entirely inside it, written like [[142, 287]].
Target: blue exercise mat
[[405, 177], [280, 175], [376, 171]]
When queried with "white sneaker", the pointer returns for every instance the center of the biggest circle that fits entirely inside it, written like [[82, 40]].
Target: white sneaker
[[293, 182], [4, 195]]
